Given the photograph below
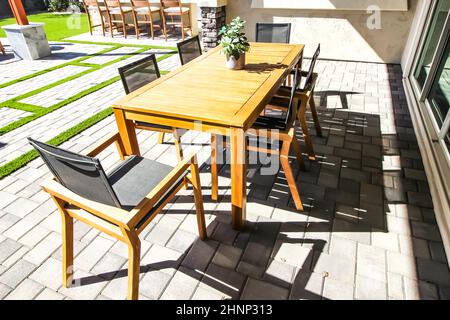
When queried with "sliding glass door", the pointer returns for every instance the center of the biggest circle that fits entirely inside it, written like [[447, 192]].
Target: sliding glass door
[[437, 23], [431, 77]]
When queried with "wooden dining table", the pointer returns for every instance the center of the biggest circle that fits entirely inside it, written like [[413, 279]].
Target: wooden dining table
[[204, 95]]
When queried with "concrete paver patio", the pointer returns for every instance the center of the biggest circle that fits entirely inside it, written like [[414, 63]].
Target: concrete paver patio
[[368, 230]]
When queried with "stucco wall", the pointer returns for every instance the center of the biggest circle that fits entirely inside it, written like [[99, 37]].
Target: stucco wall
[[416, 28], [342, 34]]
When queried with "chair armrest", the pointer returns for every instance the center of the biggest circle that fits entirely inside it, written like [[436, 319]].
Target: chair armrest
[[152, 198], [104, 143], [112, 214], [286, 90]]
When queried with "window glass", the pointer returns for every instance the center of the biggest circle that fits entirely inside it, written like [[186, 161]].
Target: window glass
[[431, 42], [439, 97]]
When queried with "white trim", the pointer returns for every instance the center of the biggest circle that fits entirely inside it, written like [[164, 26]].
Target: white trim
[[445, 127], [420, 23], [438, 192], [384, 5]]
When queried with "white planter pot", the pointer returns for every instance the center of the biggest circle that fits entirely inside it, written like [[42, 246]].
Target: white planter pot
[[234, 64]]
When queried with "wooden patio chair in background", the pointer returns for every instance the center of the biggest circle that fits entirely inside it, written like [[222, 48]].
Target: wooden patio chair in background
[[273, 32], [134, 76], [142, 8], [189, 49], [93, 7], [2, 49], [172, 9], [120, 204], [278, 129], [118, 16]]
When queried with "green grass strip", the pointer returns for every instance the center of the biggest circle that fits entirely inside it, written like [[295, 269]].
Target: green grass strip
[[93, 68], [21, 106], [44, 111], [79, 62], [73, 77], [24, 159], [74, 62], [125, 45], [40, 111]]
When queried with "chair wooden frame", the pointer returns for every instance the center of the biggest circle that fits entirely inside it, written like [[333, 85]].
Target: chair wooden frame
[[162, 131], [116, 4], [118, 223], [2, 49], [136, 4], [307, 98], [167, 4], [94, 4], [287, 138]]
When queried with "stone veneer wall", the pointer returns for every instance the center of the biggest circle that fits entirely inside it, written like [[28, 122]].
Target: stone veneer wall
[[213, 19]]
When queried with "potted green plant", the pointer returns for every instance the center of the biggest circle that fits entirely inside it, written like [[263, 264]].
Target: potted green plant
[[234, 43]]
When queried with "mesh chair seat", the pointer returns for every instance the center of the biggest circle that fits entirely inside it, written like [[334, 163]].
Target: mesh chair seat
[[270, 123], [134, 178], [176, 10], [146, 10], [124, 187], [274, 122]]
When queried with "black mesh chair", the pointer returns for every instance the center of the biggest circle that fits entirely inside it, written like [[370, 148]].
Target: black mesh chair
[[189, 49], [136, 75], [285, 103], [273, 32], [120, 203], [276, 130], [305, 92]]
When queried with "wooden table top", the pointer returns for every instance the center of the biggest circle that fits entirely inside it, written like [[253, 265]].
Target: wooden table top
[[205, 90]]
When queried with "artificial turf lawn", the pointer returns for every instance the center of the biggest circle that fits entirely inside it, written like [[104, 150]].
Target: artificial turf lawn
[[57, 26], [37, 111], [56, 141]]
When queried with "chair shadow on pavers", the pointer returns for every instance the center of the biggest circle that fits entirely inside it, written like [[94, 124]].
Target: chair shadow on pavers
[[339, 100], [282, 253], [230, 262], [367, 179]]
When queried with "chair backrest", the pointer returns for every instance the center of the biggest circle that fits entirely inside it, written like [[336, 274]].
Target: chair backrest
[[273, 32], [139, 73], [189, 49], [170, 3], [113, 4], [140, 3], [80, 174], [309, 76], [290, 110], [90, 3]]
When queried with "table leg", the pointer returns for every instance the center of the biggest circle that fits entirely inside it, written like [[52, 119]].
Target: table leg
[[238, 178], [127, 133], [214, 173]]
